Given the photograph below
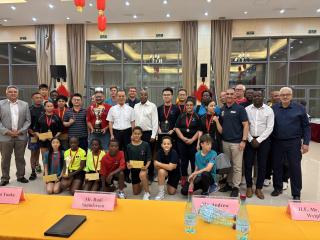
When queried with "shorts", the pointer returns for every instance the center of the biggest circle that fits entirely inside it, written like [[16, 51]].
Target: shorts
[[79, 176], [44, 144], [173, 178], [33, 146], [135, 176]]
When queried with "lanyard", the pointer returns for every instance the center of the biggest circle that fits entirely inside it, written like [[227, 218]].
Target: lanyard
[[55, 163], [95, 163], [208, 123], [73, 158], [184, 108], [188, 121], [61, 115], [49, 121], [166, 115]]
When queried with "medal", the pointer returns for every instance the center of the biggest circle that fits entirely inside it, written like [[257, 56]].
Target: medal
[[188, 130], [166, 114], [166, 122], [188, 121]]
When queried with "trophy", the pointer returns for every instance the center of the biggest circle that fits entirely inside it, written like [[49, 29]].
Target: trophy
[[165, 126], [68, 161], [98, 123]]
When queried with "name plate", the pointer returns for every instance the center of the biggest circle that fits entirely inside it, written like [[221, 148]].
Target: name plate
[[230, 205], [11, 195], [136, 164], [45, 136], [50, 178], [304, 211], [100, 201], [92, 176]]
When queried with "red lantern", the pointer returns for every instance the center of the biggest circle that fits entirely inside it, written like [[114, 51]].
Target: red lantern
[[101, 6], [79, 4], [102, 23]]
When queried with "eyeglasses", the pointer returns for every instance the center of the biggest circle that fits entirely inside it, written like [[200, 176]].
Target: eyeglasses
[[285, 95]]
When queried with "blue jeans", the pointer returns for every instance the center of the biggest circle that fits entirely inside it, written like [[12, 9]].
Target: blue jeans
[[104, 139]]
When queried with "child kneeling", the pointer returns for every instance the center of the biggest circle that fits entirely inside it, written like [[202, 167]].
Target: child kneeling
[[204, 175], [167, 165], [112, 166]]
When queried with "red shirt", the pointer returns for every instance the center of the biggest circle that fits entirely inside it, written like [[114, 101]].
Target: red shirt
[[92, 118], [111, 163], [242, 100]]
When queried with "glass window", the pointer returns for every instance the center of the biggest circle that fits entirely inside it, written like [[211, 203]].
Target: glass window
[[158, 52], [105, 75], [314, 93], [24, 53], [132, 52], [132, 75], [4, 75], [302, 73], [305, 48], [299, 93], [161, 76], [4, 57], [248, 74], [25, 93], [105, 52], [249, 50], [314, 108], [278, 49], [24, 75], [278, 73]]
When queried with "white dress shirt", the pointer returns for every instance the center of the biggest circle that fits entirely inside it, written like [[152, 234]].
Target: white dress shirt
[[146, 117], [121, 116], [14, 109], [261, 121]]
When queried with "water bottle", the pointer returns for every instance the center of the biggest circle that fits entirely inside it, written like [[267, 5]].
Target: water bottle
[[242, 221], [190, 217]]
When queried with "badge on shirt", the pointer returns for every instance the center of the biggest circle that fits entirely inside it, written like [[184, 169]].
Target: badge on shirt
[[222, 113], [233, 112]]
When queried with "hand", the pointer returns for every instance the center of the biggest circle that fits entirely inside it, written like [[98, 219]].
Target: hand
[[156, 164], [215, 119], [71, 121], [170, 132], [144, 168], [152, 140], [12, 133], [189, 141], [129, 166], [304, 149], [255, 143], [190, 178], [90, 130], [65, 176], [159, 130], [109, 179], [111, 137], [198, 147], [242, 146], [103, 131]]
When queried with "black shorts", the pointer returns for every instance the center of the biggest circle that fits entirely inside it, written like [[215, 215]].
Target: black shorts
[[173, 178], [44, 144], [80, 175], [135, 175]]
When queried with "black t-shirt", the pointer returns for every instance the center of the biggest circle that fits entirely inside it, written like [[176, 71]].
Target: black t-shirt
[[54, 122], [172, 116], [193, 127], [140, 152], [172, 157], [213, 131], [182, 108], [35, 113], [231, 120]]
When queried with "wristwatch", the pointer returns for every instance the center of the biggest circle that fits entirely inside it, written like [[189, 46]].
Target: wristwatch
[[244, 140]]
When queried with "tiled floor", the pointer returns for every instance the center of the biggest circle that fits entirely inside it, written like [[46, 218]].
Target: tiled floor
[[310, 191]]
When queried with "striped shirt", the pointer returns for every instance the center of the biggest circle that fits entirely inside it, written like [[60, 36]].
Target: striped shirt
[[79, 127]]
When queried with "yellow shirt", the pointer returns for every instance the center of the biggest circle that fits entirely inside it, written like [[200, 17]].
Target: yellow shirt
[[76, 158], [93, 161]]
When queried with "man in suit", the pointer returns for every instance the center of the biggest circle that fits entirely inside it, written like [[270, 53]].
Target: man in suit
[[14, 123]]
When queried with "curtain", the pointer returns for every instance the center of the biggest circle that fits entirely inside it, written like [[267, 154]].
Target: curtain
[[76, 57], [221, 37], [44, 52], [189, 43]]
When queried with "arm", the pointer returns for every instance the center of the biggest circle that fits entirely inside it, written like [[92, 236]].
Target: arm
[[82, 166], [306, 132], [111, 130], [269, 129], [219, 127], [67, 120], [168, 167], [208, 168], [27, 121], [155, 122], [244, 135], [180, 135]]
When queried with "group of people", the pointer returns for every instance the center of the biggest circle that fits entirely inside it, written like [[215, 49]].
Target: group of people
[[125, 140]]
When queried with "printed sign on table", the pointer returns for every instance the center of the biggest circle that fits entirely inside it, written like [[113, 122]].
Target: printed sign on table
[[230, 205], [304, 211], [11, 195]]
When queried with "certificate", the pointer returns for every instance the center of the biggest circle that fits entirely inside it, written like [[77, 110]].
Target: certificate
[[92, 176], [33, 140], [136, 163], [45, 136], [50, 178]]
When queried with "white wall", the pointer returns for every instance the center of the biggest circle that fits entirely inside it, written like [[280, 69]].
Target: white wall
[[204, 46], [13, 34]]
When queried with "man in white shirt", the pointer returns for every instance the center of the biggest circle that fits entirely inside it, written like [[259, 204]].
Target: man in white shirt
[[261, 121], [121, 121], [146, 117], [14, 122]]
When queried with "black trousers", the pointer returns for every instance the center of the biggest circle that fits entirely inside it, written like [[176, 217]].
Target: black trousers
[[203, 182], [262, 155], [289, 150], [146, 136], [124, 138], [187, 154]]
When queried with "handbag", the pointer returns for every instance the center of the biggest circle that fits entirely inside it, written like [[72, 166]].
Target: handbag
[[223, 163]]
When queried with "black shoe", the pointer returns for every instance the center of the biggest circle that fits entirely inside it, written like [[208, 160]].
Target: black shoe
[[38, 169], [296, 198], [234, 192], [4, 183], [23, 180], [276, 193], [33, 176], [226, 188], [127, 179], [223, 181]]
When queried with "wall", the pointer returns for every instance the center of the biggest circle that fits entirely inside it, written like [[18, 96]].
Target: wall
[[13, 34]]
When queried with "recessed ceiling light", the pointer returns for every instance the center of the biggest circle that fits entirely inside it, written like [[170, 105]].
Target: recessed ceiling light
[[51, 6], [34, 19], [5, 20], [127, 3], [245, 12], [291, 47], [318, 10], [90, 4], [67, 18], [206, 13], [135, 16], [13, 8], [12, 1], [168, 15], [165, 2], [209, 1], [282, 11]]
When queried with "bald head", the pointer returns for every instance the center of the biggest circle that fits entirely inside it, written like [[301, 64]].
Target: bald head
[[143, 96]]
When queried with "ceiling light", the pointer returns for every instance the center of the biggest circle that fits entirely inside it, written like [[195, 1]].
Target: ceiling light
[[67, 18], [127, 3], [13, 7], [318, 10], [51, 6], [209, 1], [245, 12], [91, 4], [165, 2], [282, 11], [34, 19], [206, 13], [135, 16], [168, 15], [12, 1], [5, 20]]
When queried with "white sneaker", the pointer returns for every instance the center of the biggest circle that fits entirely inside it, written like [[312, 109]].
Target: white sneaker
[[146, 196], [267, 182], [160, 195], [122, 195], [285, 186]]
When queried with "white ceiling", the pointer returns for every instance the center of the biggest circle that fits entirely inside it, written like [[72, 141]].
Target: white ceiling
[[155, 10]]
